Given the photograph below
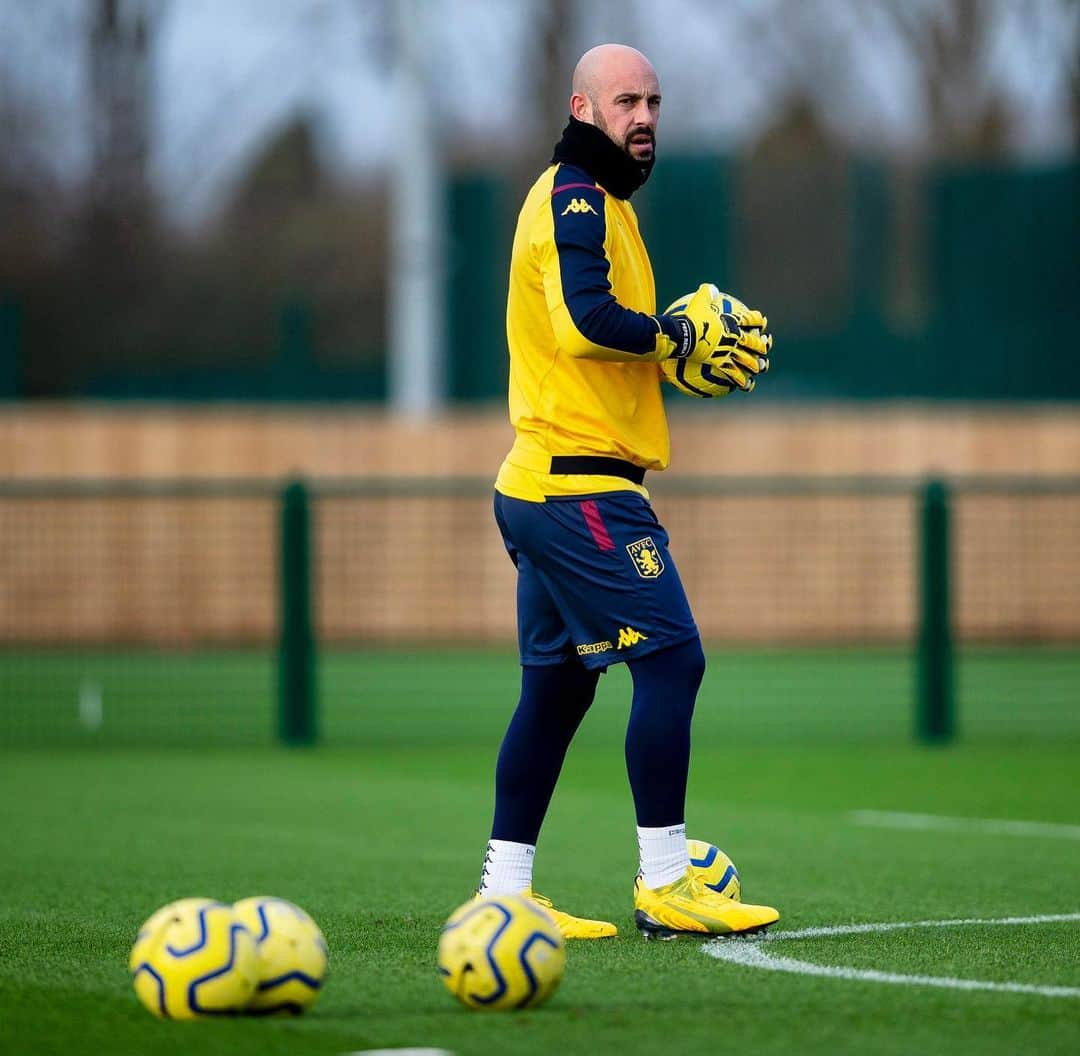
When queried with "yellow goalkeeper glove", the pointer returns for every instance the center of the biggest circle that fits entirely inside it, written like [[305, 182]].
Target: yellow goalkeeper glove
[[739, 369], [741, 365]]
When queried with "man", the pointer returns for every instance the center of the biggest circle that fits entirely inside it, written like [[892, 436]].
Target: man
[[596, 583]]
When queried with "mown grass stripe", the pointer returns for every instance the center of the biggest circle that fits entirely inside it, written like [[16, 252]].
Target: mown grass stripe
[[889, 819]]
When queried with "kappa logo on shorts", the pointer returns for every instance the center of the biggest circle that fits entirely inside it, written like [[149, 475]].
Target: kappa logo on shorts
[[646, 558], [596, 647], [629, 637]]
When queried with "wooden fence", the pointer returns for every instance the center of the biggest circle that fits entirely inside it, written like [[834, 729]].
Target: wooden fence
[[793, 560]]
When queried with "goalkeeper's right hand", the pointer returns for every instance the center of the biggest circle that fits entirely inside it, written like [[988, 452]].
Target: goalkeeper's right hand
[[708, 332]]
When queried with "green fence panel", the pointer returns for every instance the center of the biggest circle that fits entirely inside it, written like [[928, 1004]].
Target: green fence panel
[[9, 349], [686, 221], [478, 258], [1005, 264], [950, 282]]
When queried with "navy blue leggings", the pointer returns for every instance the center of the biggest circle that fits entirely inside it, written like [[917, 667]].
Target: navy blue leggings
[[554, 699]]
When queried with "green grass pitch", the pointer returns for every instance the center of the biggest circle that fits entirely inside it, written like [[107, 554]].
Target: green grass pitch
[[380, 833]]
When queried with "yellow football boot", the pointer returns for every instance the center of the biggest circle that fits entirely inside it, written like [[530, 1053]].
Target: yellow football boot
[[687, 907], [575, 927], [569, 926]]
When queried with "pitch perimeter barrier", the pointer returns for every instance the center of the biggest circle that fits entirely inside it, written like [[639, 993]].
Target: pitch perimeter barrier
[[238, 579]]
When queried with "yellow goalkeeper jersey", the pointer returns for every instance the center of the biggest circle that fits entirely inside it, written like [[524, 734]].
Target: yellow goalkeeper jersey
[[584, 340]]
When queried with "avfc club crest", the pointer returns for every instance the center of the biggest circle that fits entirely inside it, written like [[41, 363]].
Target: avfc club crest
[[646, 558]]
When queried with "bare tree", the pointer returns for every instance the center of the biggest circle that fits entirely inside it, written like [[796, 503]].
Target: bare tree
[[118, 42], [555, 58], [948, 46]]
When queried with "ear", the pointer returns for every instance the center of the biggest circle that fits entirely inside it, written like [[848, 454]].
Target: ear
[[581, 107]]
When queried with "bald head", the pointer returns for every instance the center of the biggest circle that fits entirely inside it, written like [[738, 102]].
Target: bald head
[[616, 88], [606, 61]]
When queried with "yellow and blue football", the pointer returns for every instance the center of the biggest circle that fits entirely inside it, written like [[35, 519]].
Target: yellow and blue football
[[194, 959], [714, 868], [501, 953], [291, 952]]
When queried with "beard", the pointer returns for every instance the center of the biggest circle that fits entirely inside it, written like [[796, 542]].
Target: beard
[[640, 137], [640, 134]]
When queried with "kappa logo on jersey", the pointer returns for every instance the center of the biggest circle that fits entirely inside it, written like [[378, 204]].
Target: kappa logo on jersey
[[628, 637], [646, 558], [578, 205]]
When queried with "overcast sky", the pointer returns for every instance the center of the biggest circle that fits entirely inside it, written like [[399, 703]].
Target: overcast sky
[[229, 73]]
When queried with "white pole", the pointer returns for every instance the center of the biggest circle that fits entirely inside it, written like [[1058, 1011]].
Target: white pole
[[417, 367]]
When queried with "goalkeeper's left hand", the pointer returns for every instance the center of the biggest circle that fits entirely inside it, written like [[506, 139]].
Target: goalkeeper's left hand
[[741, 368], [739, 364]]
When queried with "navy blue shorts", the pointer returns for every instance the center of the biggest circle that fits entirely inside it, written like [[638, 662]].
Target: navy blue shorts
[[596, 582]]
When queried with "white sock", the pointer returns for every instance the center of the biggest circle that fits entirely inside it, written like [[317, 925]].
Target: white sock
[[508, 867], [663, 854]]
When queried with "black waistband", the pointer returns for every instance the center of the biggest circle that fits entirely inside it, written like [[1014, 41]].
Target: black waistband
[[598, 466]]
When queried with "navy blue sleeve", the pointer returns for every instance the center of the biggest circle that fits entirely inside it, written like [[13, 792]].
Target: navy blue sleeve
[[584, 268]]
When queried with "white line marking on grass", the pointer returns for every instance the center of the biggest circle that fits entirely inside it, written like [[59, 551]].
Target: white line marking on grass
[[900, 925], [400, 1052], [749, 953], [888, 819]]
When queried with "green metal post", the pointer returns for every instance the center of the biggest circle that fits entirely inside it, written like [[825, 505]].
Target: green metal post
[[296, 651], [935, 718]]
